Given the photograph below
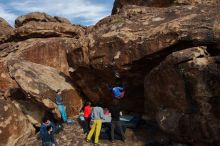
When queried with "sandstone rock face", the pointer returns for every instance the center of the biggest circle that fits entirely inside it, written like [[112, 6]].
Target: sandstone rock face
[[140, 31], [132, 42], [183, 93], [41, 25], [194, 2], [118, 4], [154, 51], [14, 126], [42, 82], [50, 51], [48, 29], [5, 80], [5, 28], [32, 29], [39, 17]]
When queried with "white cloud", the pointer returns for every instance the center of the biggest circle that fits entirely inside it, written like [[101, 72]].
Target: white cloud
[[7, 15], [72, 9]]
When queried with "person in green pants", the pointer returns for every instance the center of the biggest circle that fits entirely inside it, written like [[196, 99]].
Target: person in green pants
[[98, 116]]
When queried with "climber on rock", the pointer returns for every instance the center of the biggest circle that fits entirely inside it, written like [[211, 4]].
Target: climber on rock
[[117, 91], [60, 105]]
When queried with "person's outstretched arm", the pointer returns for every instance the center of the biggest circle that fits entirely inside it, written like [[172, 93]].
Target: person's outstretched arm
[[109, 87]]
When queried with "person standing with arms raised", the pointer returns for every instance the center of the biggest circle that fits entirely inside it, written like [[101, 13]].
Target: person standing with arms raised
[[60, 104]]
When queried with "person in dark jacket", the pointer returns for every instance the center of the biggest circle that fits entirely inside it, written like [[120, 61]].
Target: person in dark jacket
[[115, 122], [60, 104], [49, 138], [47, 131]]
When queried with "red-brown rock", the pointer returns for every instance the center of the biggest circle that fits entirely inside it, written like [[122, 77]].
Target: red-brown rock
[[5, 28], [14, 126], [182, 94], [118, 4], [39, 17], [41, 83], [132, 42], [50, 51], [129, 44], [41, 25]]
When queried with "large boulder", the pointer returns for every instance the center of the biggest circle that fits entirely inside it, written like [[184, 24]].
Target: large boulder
[[48, 29], [61, 36], [14, 126], [182, 94], [134, 41], [41, 25], [39, 17], [50, 52], [40, 83], [139, 32]]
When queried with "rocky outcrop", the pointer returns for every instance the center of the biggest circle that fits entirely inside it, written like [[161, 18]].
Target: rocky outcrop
[[27, 42], [5, 80], [50, 51], [118, 4], [34, 29], [41, 25], [195, 2], [133, 42], [39, 17], [140, 31], [40, 83], [14, 126], [182, 94], [140, 41]]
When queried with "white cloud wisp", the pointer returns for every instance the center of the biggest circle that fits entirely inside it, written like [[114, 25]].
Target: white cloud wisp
[[82, 10], [7, 15]]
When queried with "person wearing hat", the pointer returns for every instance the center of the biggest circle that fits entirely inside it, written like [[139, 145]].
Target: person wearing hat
[[60, 105]]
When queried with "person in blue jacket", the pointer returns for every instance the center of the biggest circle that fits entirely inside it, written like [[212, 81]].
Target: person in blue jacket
[[117, 91], [47, 131], [60, 105]]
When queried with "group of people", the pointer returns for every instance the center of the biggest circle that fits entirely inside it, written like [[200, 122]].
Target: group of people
[[97, 114], [48, 128]]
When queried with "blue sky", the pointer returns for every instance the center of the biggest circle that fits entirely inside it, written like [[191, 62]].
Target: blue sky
[[85, 12]]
